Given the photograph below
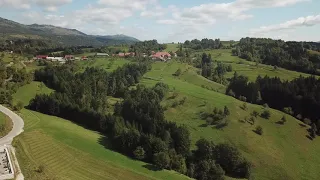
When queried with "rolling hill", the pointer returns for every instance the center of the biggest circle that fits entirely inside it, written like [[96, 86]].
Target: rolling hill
[[10, 30]]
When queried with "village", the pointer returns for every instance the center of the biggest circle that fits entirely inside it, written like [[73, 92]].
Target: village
[[160, 56]]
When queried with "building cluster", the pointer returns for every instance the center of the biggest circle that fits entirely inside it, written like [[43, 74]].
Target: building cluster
[[57, 59], [162, 56]]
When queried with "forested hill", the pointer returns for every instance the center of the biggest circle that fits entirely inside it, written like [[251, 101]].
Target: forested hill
[[295, 56], [57, 36]]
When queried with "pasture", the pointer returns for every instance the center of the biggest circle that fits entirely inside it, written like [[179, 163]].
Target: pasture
[[249, 68], [109, 63], [269, 153], [172, 47], [54, 148]]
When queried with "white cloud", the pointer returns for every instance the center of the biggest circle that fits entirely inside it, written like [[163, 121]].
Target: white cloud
[[211, 12], [292, 24], [18, 4], [167, 21], [49, 5], [128, 4]]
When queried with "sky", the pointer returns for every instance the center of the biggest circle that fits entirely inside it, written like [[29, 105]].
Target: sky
[[174, 20]]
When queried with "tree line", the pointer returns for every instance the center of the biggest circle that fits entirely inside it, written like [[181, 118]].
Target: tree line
[[147, 47], [299, 97], [136, 125], [203, 44], [290, 55]]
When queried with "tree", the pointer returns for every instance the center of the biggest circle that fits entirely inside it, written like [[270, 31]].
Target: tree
[[18, 106], [313, 130], [226, 111], [255, 113], [283, 119], [259, 130], [181, 139], [266, 114], [244, 106], [231, 93], [178, 163], [259, 98], [139, 153], [161, 160], [178, 72]]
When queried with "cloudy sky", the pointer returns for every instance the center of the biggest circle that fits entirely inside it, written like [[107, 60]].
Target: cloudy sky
[[174, 20]]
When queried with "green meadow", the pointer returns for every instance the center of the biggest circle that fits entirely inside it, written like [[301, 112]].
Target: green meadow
[[64, 150], [55, 148], [282, 152]]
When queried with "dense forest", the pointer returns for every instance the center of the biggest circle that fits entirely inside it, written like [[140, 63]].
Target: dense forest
[[136, 126], [203, 44], [299, 97], [290, 55]]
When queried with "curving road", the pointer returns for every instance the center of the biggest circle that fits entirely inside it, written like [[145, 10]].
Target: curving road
[[17, 126], [17, 129]]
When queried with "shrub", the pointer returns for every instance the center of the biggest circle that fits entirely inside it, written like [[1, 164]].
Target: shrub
[[265, 105], [266, 114], [178, 72], [244, 106], [18, 106], [242, 98], [254, 113], [307, 121], [288, 110], [283, 119], [259, 130], [231, 93]]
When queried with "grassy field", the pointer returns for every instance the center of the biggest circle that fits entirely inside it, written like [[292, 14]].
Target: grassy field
[[5, 124], [172, 47], [109, 64], [250, 69], [282, 152], [54, 148]]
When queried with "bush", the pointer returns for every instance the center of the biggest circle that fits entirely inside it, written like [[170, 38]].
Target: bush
[[265, 105], [259, 130], [242, 98], [39, 169], [231, 93], [178, 72], [244, 106], [266, 114], [18, 106], [254, 113], [288, 110]]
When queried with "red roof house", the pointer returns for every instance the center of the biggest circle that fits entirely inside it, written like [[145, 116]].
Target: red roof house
[[69, 57], [41, 56], [161, 55]]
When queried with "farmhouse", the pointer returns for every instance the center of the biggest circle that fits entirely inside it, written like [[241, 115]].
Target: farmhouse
[[69, 57], [129, 54], [84, 58], [40, 57], [163, 56]]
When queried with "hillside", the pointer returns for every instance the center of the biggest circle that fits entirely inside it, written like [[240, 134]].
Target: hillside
[[10, 30]]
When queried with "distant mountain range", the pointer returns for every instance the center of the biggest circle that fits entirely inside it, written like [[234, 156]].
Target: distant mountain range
[[10, 30]]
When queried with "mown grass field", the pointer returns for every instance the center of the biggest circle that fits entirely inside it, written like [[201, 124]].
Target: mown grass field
[[64, 150], [172, 47], [248, 68], [110, 63], [282, 152], [5, 124]]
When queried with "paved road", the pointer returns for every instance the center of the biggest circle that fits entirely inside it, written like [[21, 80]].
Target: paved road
[[17, 128]]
